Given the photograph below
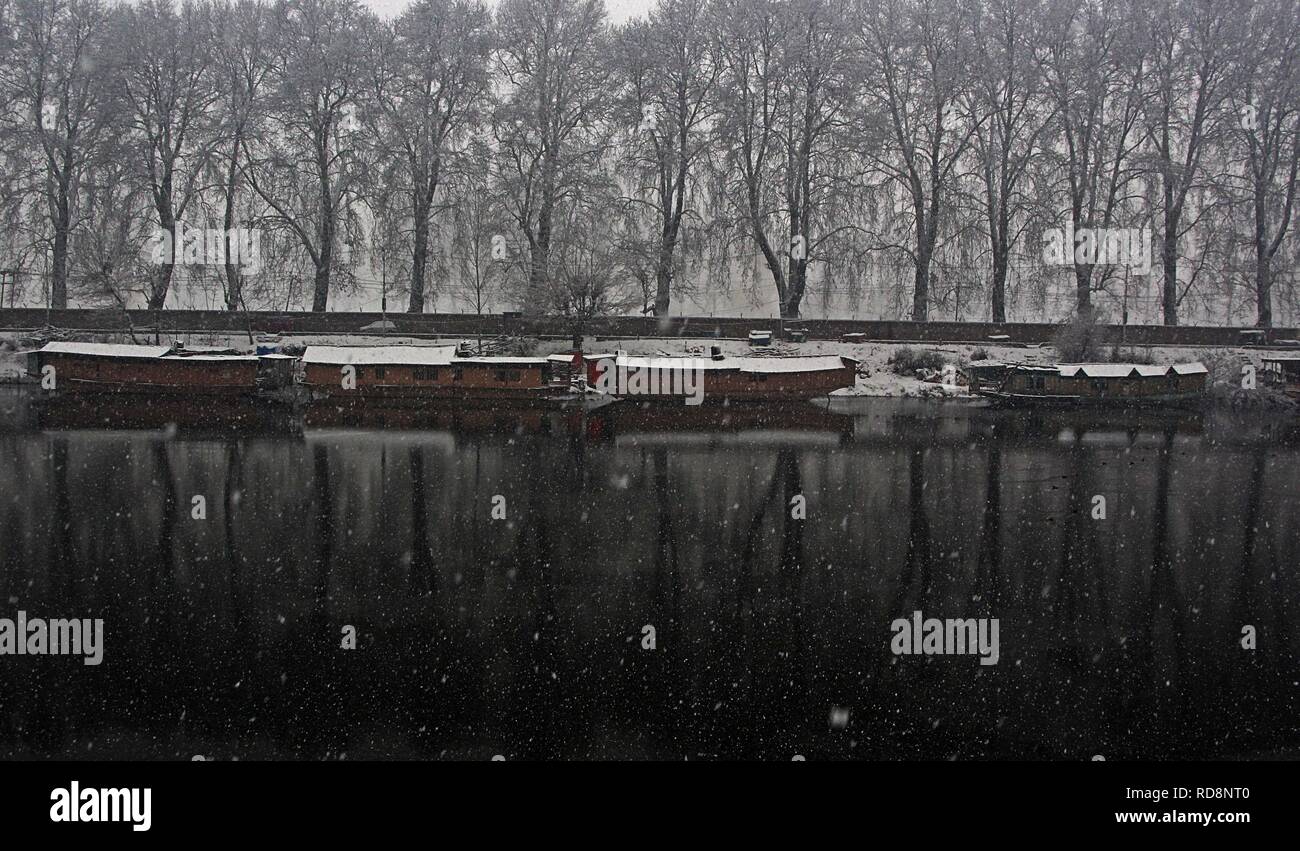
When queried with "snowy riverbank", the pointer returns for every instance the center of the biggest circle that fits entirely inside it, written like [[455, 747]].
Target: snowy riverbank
[[876, 375]]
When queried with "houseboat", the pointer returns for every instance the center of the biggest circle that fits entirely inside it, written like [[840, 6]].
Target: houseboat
[[398, 375], [1075, 384], [66, 369], [1282, 372], [714, 379]]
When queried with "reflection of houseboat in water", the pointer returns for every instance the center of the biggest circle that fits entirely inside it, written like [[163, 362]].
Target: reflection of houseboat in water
[[633, 416], [216, 414], [473, 417], [1082, 384]]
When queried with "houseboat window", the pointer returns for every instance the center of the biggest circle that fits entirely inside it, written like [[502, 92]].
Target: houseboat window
[[1099, 385], [507, 375], [457, 374], [425, 373], [379, 372]]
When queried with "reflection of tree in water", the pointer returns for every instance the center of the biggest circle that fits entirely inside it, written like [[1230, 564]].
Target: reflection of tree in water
[[1081, 576], [422, 576], [988, 563], [532, 660], [915, 583]]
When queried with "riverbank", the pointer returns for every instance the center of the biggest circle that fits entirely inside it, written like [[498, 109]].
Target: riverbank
[[877, 376]]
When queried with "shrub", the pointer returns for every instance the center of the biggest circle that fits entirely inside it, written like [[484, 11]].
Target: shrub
[[906, 361], [1080, 339]]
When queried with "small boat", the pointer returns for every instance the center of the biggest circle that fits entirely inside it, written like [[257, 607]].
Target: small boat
[[1079, 384], [1282, 372]]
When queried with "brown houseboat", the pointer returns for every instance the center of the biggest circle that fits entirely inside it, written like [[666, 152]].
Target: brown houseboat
[[399, 375], [714, 379], [67, 369], [1099, 384]]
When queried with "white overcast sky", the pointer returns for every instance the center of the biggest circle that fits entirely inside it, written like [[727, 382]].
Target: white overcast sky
[[619, 10]]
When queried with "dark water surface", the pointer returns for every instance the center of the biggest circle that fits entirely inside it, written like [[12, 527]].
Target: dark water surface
[[523, 637]]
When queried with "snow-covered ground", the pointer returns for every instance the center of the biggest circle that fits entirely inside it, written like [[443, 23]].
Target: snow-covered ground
[[877, 378]]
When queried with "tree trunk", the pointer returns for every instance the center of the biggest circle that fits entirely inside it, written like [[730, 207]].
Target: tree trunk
[[1263, 288], [1169, 259], [163, 277], [59, 270], [419, 259], [321, 290], [1082, 286], [999, 295], [795, 289], [1169, 262]]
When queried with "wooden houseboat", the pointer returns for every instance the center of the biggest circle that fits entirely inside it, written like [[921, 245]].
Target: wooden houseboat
[[397, 375], [67, 369], [1100, 384], [714, 379], [1282, 372]]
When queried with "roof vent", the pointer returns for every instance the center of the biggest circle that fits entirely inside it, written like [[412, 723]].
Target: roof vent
[[464, 349], [715, 352]]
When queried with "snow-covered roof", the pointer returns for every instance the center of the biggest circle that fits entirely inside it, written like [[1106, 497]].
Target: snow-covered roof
[[1124, 370], [112, 350], [801, 364], [382, 355], [768, 365], [567, 357], [405, 356], [209, 358], [503, 360]]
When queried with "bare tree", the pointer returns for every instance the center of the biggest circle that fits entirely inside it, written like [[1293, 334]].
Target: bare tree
[[669, 80], [1267, 123], [1091, 65], [589, 280], [427, 84], [1007, 89], [1187, 58], [480, 256], [65, 97], [307, 169], [915, 57], [161, 73], [553, 61]]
